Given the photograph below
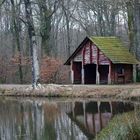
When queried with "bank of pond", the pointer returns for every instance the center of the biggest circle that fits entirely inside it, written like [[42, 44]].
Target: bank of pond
[[68, 119]]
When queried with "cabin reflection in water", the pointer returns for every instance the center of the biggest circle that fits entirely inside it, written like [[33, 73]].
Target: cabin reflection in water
[[91, 117], [42, 119]]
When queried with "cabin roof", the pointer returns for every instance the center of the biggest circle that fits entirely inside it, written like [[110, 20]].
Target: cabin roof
[[112, 47]]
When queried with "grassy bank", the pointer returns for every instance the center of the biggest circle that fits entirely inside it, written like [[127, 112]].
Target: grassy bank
[[131, 91], [122, 127]]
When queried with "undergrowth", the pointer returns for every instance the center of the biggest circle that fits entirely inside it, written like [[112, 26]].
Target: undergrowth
[[122, 127]]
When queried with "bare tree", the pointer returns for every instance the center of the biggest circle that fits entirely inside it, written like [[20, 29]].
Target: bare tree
[[46, 10], [56, 27], [32, 43], [68, 8], [16, 33], [133, 7]]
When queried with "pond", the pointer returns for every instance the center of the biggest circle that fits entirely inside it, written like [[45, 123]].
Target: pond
[[56, 119]]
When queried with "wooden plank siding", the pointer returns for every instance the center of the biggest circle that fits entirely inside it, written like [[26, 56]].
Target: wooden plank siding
[[86, 55], [91, 54], [77, 66], [94, 54], [128, 74], [103, 60], [78, 57]]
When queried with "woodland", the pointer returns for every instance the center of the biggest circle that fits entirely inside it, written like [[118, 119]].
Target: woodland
[[37, 36]]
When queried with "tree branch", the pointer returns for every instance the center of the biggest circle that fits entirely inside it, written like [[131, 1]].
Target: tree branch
[[2, 2]]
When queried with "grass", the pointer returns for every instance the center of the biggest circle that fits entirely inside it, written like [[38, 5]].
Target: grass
[[122, 127]]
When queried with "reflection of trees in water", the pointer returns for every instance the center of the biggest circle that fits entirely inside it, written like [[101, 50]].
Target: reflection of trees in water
[[35, 120], [38, 120], [65, 128], [50, 114], [21, 121], [50, 111]]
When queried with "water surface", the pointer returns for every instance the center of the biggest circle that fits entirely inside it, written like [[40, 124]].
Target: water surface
[[43, 119]]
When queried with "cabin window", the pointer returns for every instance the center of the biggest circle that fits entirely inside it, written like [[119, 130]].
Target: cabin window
[[120, 69]]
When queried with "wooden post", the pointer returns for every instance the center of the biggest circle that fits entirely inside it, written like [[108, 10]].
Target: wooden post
[[82, 70], [73, 107], [97, 68], [91, 53], [111, 109], [100, 115], [109, 74], [83, 75], [93, 123], [134, 73], [97, 75], [72, 73], [85, 116]]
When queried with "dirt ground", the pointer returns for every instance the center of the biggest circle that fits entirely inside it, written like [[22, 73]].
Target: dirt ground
[[130, 91]]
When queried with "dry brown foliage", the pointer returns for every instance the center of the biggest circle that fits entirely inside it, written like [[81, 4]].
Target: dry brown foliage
[[53, 71]]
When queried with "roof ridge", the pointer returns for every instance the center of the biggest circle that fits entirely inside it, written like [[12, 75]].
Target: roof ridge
[[103, 37], [112, 47]]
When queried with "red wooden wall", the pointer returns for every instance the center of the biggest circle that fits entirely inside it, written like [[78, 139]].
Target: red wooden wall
[[90, 54], [128, 73], [77, 66]]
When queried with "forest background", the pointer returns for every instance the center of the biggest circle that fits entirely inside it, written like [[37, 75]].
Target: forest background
[[48, 31]]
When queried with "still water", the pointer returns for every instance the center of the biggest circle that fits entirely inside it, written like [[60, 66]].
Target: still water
[[44, 119]]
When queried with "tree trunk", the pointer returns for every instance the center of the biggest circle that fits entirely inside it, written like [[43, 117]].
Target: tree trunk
[[131, 26], [134, 30], [45, 27], [137, 27], [68, 35], [113, 23], [16, 26], [67, 16], [134, 26], [32, 43]]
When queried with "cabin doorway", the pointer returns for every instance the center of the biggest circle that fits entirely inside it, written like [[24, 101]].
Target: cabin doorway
[[103, 71], [90, 74], [77, 66]]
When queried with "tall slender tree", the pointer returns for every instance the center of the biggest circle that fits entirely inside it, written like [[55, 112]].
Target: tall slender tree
[[46, 11], [16, 33], [32, 44], [133, 7]]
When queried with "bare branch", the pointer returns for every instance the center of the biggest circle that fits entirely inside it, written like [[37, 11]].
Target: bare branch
[[2, 2]]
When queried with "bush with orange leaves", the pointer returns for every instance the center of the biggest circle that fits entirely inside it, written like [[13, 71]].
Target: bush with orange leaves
[[53, 71]]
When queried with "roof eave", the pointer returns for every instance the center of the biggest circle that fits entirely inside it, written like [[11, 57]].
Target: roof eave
[[133, 63], [76, 51]]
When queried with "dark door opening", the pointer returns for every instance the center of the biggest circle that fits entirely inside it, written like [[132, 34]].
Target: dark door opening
[[77, 66], [90, 74], [103, 71]]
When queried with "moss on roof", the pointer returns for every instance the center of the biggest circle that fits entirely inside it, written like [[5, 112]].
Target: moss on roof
[[114, 49]]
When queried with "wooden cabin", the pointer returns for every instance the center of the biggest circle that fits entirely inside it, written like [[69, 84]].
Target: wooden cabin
[[102, 60]]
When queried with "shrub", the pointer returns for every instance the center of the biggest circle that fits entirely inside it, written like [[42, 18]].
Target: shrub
[[53, 71]]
